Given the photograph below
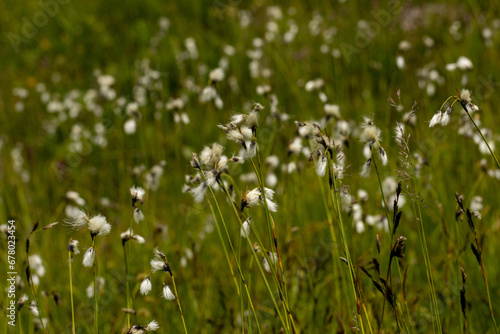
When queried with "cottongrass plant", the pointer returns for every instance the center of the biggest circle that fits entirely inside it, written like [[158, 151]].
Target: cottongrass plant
[[243, 130], [97, 226], [211, 165], [138, 329], [411, 176], [160, 264], [325, 150], [137, 197], [72, 250], [464, 98]]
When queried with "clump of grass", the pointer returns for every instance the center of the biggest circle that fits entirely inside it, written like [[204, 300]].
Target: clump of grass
[[160, 264], [476, 250], [97, 226]]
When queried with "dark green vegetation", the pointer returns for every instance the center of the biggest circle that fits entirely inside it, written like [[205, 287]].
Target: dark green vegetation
[[49, 148]]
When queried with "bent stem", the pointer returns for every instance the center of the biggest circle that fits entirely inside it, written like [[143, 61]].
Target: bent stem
[[481, 134]]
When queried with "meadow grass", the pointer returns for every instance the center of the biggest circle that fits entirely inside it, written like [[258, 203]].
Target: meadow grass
[[347, 195]]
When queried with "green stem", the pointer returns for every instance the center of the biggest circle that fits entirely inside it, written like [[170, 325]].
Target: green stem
[[179, 304], [96, 305], [127, 281], [236, 259], [481, 134], [71, 294], [33, 292]]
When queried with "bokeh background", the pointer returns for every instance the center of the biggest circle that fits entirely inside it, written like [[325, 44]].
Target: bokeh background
[[86, 105]]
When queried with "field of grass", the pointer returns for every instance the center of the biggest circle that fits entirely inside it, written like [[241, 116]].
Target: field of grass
[[380, 213]]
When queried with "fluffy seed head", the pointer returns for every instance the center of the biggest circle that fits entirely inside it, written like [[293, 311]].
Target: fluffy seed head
[[146, 286], [370, 134], [365, 172], [435, 119], [321, 165], [137, 194], [152, 326], [88, 258], [98, 225], [167, 293], [73, 247]]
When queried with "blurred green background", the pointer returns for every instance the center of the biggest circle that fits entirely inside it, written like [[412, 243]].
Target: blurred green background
[[353, 46]]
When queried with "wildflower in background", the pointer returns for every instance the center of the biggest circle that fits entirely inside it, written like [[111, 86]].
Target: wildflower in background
[[332, 110], [39, 325], [90, 289], [216, 75], [273, 257], [167, 293], [36, 267], [75, 197], [137, 329], [476, 205], [152, 177]]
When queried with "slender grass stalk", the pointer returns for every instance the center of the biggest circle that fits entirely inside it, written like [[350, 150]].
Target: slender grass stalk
[[489, 297], [338, 207], [423, 242], [96, 293], [224, 247], [273, 241], [388, 280], [283, 301], [179, 304], [336, 270], [236, 259], [70, 258], [30, 279], [477, 253], [127, 280]]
